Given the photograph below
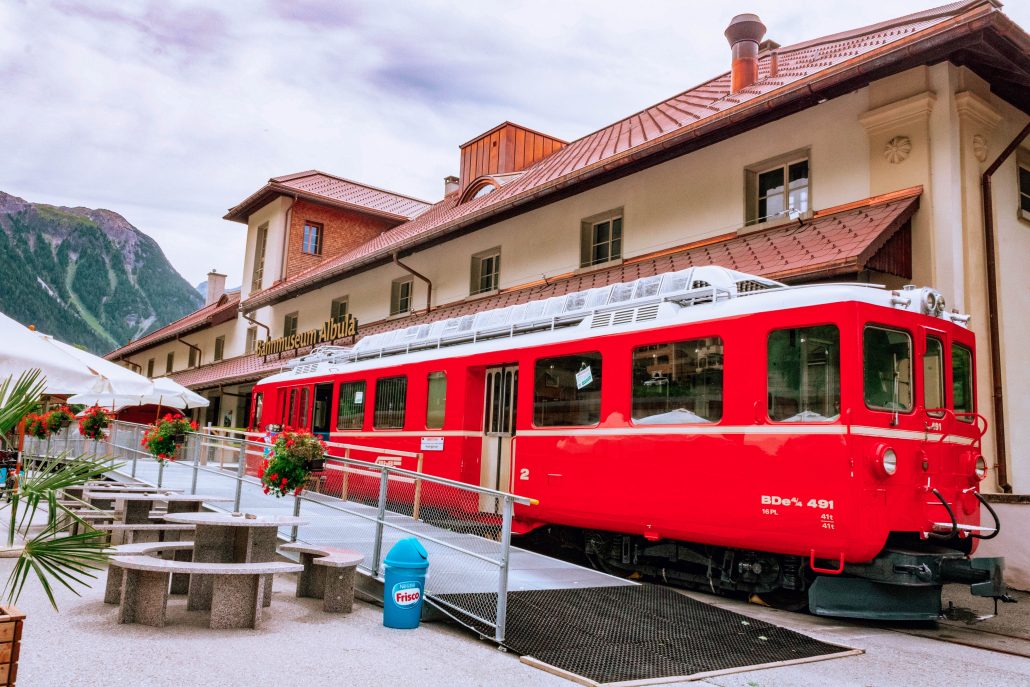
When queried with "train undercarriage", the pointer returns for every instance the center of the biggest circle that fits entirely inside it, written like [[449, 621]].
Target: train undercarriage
[[903, 583]]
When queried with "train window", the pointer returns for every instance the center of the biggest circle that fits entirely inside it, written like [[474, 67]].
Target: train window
[[302, 409], [887, 369], [391, 393], [288, 416], [678, 383], [804, 374], [567, 391], [350, 414], [436, 400], [258, 407], [962, 381], [933, 377]]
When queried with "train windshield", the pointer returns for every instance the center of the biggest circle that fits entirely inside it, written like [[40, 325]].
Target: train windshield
[[804, 374], [887, 369]]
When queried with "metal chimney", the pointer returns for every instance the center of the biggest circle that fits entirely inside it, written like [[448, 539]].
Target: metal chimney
[[744, 33]]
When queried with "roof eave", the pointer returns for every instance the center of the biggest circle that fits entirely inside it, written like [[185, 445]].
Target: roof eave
[[241, 213]]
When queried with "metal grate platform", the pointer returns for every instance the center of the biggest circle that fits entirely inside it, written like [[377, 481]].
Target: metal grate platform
[[645, 632]]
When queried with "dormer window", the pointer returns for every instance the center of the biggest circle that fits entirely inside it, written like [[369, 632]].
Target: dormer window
[[480, 188]]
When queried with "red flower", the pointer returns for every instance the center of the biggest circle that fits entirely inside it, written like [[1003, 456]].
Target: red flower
[[266, 490], [296, 492]]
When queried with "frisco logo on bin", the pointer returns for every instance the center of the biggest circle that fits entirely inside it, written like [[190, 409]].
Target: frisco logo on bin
[[406, 593]]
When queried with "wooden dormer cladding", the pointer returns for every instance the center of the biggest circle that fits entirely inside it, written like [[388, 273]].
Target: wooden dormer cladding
[[504, 149]]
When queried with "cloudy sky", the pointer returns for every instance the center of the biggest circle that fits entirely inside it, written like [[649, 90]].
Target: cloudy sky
[[170, 112]]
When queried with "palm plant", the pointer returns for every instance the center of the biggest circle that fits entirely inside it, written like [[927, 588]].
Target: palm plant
[[51, 555]]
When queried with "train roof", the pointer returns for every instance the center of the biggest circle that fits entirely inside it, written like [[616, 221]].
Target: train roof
[[695, 294]]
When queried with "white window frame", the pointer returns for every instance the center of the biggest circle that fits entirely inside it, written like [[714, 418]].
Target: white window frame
[[295, 315], [397, 299], [751, 199], [588, 241], [339, 317], [219, 348], [491, 257], [251, 341], [319, 231], [260, 248]]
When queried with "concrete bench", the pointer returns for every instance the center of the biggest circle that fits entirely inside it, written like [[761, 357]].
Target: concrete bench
[[235, 600], [328, 575], [181, 550], [143, 532]]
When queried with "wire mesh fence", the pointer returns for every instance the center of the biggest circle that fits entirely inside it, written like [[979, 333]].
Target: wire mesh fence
[[362, 501]]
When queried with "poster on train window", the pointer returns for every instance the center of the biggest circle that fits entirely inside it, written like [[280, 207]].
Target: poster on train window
[[584, 377]]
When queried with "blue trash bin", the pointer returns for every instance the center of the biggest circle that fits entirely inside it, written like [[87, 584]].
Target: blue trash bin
[[404, 585]]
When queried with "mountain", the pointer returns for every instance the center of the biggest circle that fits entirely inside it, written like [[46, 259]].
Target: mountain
[[87, 277]]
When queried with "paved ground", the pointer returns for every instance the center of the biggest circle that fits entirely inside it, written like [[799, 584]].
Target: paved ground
[[299, 645]]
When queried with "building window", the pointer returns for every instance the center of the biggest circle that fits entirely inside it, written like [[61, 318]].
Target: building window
[[251, 342], [486, 271], [312, 238], [601, 238], [778, 189], [391, 393], [194, 357], [219, 348], [678, 383], [350, 413], [436, 400], [290, 324], [1024, 186], [400, 296], [170, 362], [339, 308], [567, 391], [150, 368], [259, 257], [887, 369]]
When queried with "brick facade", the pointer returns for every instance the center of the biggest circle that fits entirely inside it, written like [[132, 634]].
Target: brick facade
[[344, 231]]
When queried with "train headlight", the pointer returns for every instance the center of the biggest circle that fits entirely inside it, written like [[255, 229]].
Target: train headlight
[[889, 461], [980, 469]]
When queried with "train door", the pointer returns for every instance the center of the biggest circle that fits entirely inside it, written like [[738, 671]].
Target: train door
[[322, 410], [501, 395]]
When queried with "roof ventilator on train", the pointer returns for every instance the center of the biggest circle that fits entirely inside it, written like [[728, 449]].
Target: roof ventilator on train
[[605, 306]]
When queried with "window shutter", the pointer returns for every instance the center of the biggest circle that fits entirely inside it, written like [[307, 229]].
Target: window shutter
[[474, 275], [585, 243]]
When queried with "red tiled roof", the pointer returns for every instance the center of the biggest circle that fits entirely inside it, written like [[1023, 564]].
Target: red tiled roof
[[244, 368], [836, 241], [805, 71], [333, 190], [224, 310]]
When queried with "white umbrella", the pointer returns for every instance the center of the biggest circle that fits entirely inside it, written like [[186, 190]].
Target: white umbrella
[[118, 379], [23, 349], [161, 392]]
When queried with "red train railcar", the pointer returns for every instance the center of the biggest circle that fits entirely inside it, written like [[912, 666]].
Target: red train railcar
[[813, 444]]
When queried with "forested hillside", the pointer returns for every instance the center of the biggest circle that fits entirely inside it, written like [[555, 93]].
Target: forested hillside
[[86, 276]]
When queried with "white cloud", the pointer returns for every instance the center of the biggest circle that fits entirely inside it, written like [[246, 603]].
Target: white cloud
[[171, 112]]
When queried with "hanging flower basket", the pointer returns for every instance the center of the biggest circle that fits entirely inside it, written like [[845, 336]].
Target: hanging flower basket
[[164, 437], [36, 426], [58, 418], [294, 456], [93, 423]]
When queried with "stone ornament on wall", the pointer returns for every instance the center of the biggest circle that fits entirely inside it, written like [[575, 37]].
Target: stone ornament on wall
[[897, 149], [980, 147]]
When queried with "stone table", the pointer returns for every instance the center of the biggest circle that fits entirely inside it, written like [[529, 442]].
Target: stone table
[[228, 538], [138, 505]]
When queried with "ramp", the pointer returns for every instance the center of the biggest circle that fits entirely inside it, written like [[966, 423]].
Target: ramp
[[644, 634]]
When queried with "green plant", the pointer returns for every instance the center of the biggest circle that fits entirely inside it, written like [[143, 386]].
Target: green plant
[[289, 466], [49, 554], [159, 438]]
